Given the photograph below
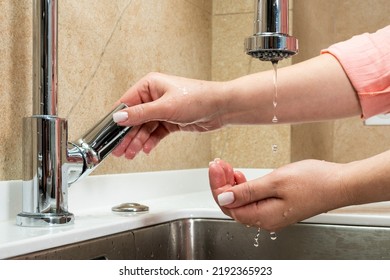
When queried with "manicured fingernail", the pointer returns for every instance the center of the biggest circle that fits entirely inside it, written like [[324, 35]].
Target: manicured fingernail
[[225, 198], [216, 160], [120, 117]]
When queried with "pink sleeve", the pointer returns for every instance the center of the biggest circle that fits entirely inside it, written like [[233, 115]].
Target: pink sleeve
[[366, 61]]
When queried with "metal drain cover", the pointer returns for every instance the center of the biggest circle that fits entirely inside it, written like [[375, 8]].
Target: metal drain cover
[[130, 207]]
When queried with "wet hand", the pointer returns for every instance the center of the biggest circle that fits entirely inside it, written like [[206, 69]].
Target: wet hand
[[160, 105], [285, 196]]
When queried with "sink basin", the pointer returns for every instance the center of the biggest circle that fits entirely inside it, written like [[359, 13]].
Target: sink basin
[[217, 239]]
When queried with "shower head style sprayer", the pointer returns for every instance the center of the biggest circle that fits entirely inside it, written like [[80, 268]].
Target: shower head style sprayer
[[271, 41]]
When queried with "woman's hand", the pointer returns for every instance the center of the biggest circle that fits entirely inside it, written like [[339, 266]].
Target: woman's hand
[[287, 195], [161, 104]]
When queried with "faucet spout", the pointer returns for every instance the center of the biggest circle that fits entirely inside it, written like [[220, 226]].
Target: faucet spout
[[51, 163], [271, 40]]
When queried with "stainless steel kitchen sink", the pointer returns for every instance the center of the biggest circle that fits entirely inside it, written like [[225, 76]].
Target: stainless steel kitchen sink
[[210, 239]]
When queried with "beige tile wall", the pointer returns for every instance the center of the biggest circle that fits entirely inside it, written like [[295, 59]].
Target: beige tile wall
[[15, 84], [104, 47]]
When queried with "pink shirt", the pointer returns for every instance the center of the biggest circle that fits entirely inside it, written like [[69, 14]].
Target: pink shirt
[[366, 61]]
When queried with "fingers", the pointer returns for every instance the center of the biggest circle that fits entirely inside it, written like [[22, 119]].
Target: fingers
[[231, 189], [143, 101], [265, 214], [251, 191], [244, 201], [144, 90], [239, 177], [137, 139], [160, 133], [139, 114], [120, 149], [222, 177]]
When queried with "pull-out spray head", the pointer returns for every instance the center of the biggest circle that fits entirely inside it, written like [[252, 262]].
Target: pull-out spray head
[[270, 41], [99, 141]]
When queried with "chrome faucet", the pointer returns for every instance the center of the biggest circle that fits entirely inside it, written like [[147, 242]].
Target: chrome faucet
[[51, 163], [270, 40]]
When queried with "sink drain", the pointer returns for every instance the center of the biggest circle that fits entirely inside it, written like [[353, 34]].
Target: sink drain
[[130, 207]]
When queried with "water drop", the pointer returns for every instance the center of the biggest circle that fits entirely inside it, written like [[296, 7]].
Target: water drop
[[274, 101], [256, 244], [274, 148], [273, 235], [229, 236]]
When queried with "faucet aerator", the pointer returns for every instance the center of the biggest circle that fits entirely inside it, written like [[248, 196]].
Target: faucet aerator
[[270, 40]]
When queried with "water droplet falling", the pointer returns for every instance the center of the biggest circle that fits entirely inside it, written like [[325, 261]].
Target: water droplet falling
[[275, 101], [256, 243], [273, 235], [275, 98]]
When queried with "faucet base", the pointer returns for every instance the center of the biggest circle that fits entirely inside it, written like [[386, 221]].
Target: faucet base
[[44, 220]]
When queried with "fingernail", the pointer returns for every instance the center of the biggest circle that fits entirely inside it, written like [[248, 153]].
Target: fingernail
[[225, 198], [120, 116], [216, 160]]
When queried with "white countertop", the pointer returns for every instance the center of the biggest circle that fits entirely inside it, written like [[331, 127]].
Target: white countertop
[[170, 195]]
